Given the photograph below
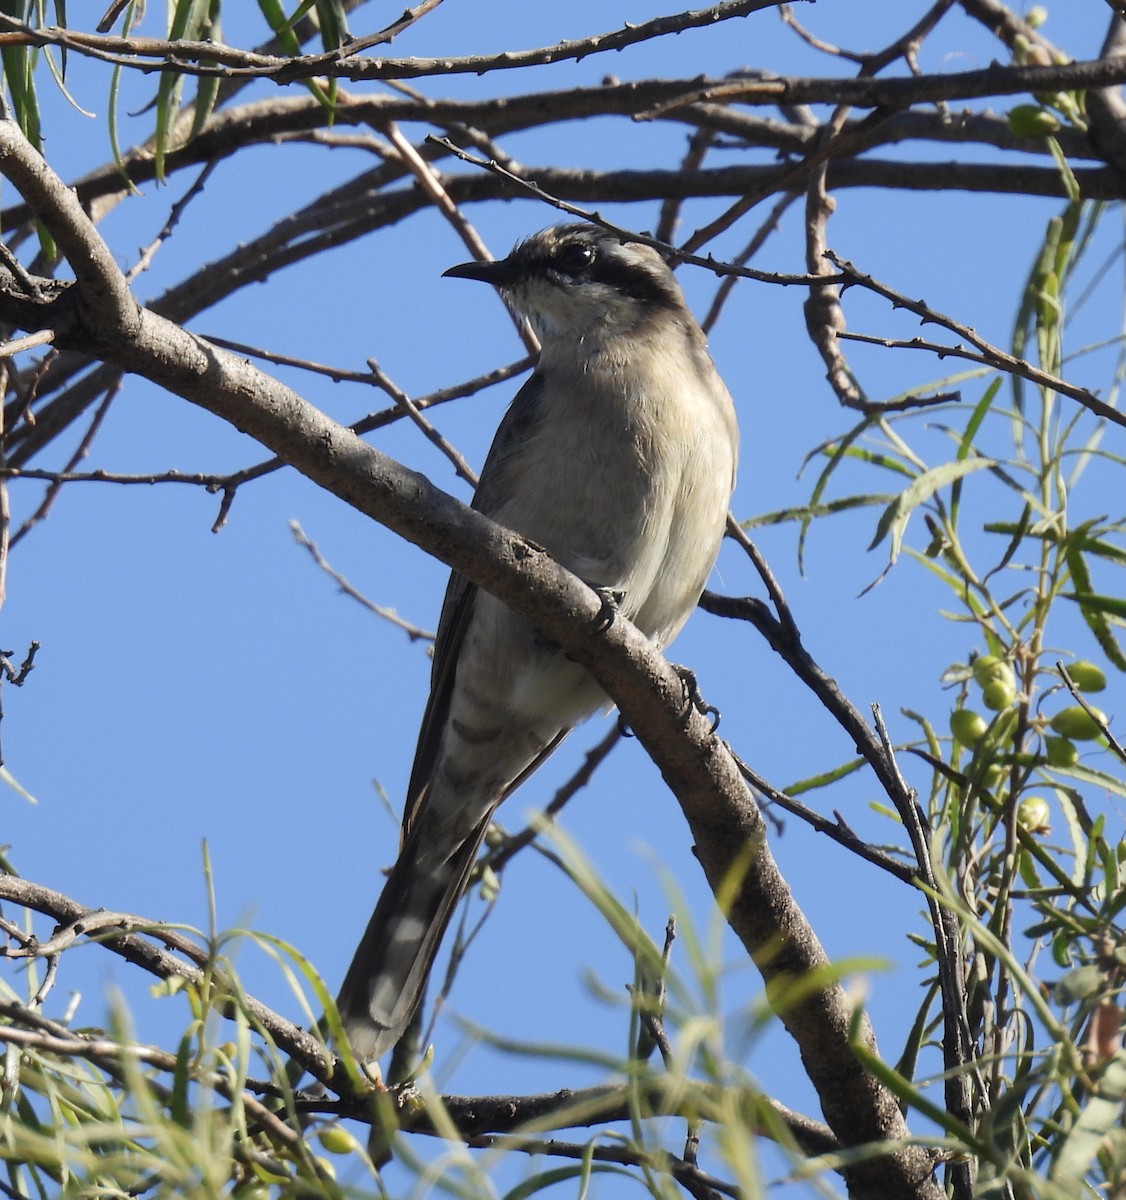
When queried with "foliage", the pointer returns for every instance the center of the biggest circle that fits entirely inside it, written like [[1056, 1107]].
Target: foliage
[[990, 484]]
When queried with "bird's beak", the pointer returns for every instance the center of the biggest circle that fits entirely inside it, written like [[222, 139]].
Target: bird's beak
[[499, 274]]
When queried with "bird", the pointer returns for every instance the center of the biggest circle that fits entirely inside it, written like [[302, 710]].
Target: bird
[[618, 457]]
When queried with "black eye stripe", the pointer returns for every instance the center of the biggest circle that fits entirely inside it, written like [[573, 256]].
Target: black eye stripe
[[633, 279], [605, 261]]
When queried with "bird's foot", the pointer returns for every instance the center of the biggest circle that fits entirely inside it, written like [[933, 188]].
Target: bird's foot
[[692, 699], [541, 641], [611, 602], [692, 696]]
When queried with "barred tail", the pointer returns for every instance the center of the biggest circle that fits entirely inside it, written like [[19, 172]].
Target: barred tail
[[386, 980]]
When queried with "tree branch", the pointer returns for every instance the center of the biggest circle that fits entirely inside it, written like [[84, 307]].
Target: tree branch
[[142, 950], [726, 826]]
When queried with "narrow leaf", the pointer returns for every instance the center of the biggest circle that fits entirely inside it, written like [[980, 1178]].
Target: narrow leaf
[[898, 513], [1095, 608]]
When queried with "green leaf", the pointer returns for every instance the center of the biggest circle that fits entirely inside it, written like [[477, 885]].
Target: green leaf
[[334, 32], [836, 451], [1067, 175], [825, 778], [208, 90], [1077, 985], [545, 1179], [19, 75], [1093, 778], [7, 777], [1019, 531], [981, 410], [917, 1036], [911, 1096], [810, 512], [333, 20], [898, 513], [180, 1108], [1095, 608], [1114, 605], [1101, 1115], [281, 25], [191, 21]]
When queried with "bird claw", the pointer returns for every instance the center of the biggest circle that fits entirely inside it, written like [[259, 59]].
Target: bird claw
[[541, 641], [611, 602], [692, 699], [692, 696]]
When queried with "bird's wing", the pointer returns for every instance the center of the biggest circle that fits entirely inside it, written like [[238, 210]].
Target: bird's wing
[[493, 491]]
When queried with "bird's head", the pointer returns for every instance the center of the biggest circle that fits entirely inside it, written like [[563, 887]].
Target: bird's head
[[581, 282]]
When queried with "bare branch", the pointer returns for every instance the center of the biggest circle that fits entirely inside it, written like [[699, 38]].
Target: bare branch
[[512, 844], [413, 632], [141, 950], [987, 353], [407, 406], [231, 62]]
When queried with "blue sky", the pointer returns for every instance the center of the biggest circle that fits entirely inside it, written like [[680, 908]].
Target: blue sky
[[196, 687]]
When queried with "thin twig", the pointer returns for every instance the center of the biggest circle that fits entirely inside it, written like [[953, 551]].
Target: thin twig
[[144, 260], [727, 285], [837, 830], [208, 58], [53, 489], [112, 1054], [1104, 728], [991, 355], [404, 402], [147, 951], [515, 842], [42, 337], [230, 484], [431, 183], [211, 482], [389, 32], [672, 252], [414, 632], [698, 146], [682, 1172], [962, 1076], [824, 316]]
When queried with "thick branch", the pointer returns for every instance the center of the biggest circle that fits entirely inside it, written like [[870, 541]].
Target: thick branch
[[230, 62], [281, 117], [346, 63]]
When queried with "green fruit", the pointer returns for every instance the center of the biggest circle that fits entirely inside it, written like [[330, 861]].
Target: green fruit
[[988, 668], [967, 726], [998, 695], [993, 777], [1087, 677], [337, 1140], [1077, 723], [1033, 814], [1032, 121], [1061, 752]]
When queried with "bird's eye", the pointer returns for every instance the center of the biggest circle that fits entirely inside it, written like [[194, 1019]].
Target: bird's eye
[[574, 258]]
